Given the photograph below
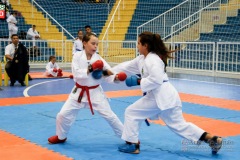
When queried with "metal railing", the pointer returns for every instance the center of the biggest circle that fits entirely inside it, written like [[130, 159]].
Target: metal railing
[[203, 21], [221, 59], [48, 15], [162, 23], [113, 18], [45, 48], [116, 15]]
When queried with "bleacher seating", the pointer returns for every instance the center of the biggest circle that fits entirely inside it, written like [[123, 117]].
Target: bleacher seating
[[230, 31], [86, 13], [22, 26], [61, 14], [200, 56], [3, 29], [44, 48], [151, 9]]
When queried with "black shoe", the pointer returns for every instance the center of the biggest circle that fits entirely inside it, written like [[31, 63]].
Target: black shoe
[[11, 84], [23, 84]]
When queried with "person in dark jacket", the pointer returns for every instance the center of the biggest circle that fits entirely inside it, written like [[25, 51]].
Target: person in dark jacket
[[17, 65]]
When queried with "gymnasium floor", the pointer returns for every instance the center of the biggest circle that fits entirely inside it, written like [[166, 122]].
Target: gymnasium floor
[[27, 119]]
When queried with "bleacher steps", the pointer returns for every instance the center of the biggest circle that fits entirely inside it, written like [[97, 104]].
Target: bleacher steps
[[51, 32], [208, 24]]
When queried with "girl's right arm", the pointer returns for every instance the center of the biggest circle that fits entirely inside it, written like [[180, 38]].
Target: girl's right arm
[[80, 71], [129, 67]]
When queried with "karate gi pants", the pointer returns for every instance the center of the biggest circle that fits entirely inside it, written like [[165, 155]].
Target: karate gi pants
[[147, 107], [69, 111]]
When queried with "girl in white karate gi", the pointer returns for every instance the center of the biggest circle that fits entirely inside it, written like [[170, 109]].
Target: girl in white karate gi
[[52, 68], [87, 92], [161, 99], [33, 34], [78, 45], [12, 24]]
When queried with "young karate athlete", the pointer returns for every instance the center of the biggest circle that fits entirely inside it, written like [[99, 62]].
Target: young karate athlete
[[88, 69], [52, 68], [161, 99], [77, 45]]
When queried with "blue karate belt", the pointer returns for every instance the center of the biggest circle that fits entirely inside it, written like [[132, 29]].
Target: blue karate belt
[[146, 92]]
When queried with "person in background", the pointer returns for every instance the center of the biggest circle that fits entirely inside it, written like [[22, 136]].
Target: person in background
[[52, 68], [88, 29], [78, 45], [17, 61], [33, 34], [12, 24]]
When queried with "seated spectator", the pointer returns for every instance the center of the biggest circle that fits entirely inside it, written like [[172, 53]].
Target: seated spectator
[[78, 45], [52, 68], [17, 61], [33, 34]]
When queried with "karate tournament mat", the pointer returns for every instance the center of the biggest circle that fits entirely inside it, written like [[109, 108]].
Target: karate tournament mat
[[28, 116]]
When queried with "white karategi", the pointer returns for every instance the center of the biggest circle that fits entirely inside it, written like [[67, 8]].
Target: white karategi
[[162, 100], [31, 34], [13, 29], [99, 101], [49, 69], [77, 46]]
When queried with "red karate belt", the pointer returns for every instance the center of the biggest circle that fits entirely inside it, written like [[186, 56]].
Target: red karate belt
[[86, 89]]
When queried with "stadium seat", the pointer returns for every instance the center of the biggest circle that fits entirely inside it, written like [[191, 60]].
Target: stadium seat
[[151, 11], [84, 17], [230, 31]]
